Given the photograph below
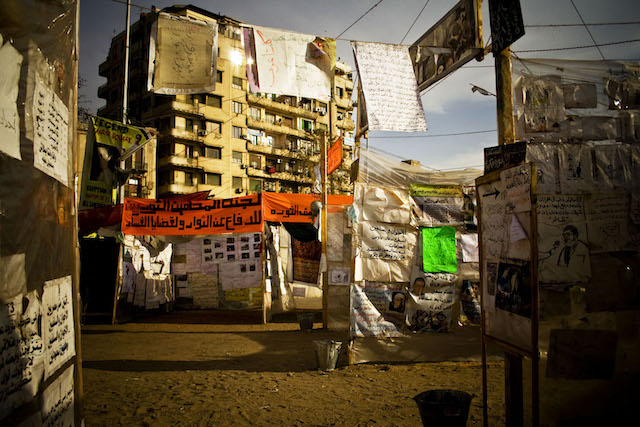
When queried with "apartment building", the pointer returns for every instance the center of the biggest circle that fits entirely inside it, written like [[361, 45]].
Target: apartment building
[[229, 142]]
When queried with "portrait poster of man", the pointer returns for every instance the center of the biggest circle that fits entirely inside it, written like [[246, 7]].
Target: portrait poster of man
[[513, 290], [449, 44], [563, 254], [422, 282]]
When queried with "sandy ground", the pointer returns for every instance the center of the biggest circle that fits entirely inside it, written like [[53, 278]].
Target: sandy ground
[[197, 369]]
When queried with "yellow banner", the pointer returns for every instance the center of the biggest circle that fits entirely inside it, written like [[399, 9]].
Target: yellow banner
[[429, 190], [117, 134]]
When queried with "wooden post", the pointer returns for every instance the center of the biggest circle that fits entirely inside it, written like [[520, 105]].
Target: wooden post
[[504, 103], [324, 234], [514, 411]]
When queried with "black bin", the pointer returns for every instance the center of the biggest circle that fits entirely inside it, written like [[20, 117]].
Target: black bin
[[445, 408]]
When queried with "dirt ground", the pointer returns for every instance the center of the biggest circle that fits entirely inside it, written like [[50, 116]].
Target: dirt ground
[[195, 368]]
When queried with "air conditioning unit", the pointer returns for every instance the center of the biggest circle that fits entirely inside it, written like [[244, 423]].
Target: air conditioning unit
[[202, 132], [340, 116], [239, 190], [243, 166], [323, 113]]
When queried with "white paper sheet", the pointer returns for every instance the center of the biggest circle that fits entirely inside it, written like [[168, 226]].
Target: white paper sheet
[[58, 401], [388, 242], [240, 274], [608, 222], [563, 254], [517, 186], [390, 88], [372, 310], [384, 204], [13, 278], [11, 61], [339, 276], [283, 69], [58, 327], [494, 223], [469, 244], [50, 133]]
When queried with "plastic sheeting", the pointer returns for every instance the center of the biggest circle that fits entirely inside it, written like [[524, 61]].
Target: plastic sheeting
[[37, 212]]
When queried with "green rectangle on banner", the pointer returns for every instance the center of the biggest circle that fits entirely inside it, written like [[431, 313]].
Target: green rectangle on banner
[[439, 250]]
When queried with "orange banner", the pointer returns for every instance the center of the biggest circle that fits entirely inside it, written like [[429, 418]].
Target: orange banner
[[334, 156], [189, 217], [289, 207]]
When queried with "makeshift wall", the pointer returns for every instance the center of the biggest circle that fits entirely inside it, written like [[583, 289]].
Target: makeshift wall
[[580, 250], [415, 264], [40, 372]]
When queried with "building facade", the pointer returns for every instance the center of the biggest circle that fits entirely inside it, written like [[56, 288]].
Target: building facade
[[229, 142]]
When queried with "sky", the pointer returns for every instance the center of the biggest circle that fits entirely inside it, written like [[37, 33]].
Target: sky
[[450, 106]]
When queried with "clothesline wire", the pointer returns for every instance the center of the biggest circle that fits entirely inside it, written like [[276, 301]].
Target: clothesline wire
[[414, 21], [358, 20]]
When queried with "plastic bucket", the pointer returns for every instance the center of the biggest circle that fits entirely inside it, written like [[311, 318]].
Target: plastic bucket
[[444, 407], [327, 354], [306, 321]]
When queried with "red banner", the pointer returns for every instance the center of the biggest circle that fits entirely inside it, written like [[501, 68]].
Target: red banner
[[190, 217], [290, 207], [334, 156]]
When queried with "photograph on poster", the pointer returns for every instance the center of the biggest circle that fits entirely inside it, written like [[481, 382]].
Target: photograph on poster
[[563, 254], [398, 302], [422, 282], [470, 300], [513, 293], [430, 313]]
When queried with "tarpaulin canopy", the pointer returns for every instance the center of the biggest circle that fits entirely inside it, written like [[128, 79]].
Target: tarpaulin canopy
[[244, 214]]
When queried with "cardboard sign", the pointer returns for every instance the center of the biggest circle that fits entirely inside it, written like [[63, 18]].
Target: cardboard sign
[[334, 156]]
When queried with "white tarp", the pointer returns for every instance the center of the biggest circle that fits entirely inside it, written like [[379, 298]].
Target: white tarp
[[390, 88]]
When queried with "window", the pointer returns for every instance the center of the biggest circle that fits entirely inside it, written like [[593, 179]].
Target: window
[[198, 99], [237, 107], [214, 127], [189, 125], [322, 107], [237, 183], [214, 101], [212, 178], [236, 157], [218, 76], [270, 117], [340, 92], [189, 178], [237, 82], [213, 152], [307, 126], [253, 138], [255, 161], [237, 132], [254, 113], [255, 185]]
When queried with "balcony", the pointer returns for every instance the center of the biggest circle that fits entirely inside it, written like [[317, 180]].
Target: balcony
[[183, 134], [346, 124], [282, 176], [103, 69], [281, 107], [348, 85], [177, 188], [184, 162], [344, 103], [298, 154], [276, 128], [103, 90], [173, 107]]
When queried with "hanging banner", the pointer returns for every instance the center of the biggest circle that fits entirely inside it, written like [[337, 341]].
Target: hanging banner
[[390, 89], [171, 217], [452, 42], [334, 156], [107, 141], [289, 207], [185, 52], [293, 64], [438, 204]]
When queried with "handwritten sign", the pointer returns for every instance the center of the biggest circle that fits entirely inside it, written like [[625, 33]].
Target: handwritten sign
[[390, 88], [58, 401], [608, 222], [334, 156], [185, 53], [370, 311], [517, 187], [387, 241], [545, 157], [563, 254], [287, 63], [58, 328], [21, 351], [576, 169], [493, 218], [9, 119], [507, 25], [50, 133], [171, 217]]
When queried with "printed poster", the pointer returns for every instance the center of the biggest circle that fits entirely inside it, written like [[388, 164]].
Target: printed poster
[[58, 327], [513, 291], [422, 282], [390, 87], [50, 133], [377, 310], [295, 64], [9, 118], [185, 52], [439, 250], [438, 204], [563, 251], [430, 312], [517, 188]]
